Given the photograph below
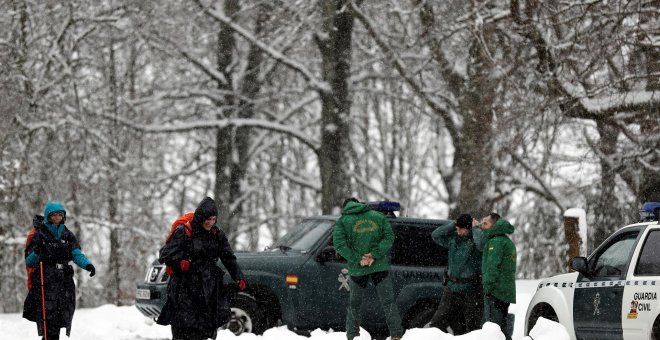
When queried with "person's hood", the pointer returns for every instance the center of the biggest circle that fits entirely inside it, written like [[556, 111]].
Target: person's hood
[[501, 227], [205, 209], [354, 208], [55, 230], [52, 207]]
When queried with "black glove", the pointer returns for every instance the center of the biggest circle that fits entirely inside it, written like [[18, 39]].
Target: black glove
[[90, 268]]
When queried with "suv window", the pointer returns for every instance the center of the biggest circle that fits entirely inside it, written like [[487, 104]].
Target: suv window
[[303, 236], [649, 258], [612, 260], [415, 247]]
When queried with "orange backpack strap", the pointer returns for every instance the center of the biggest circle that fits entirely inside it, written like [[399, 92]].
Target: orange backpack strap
[[30, 270]]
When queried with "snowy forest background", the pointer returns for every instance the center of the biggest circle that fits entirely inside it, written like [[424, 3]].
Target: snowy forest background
[[130, 112]]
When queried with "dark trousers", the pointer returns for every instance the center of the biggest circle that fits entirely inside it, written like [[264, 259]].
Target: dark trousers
[[52, 334], [496, 311], [385, 290], [462, 311], [185, 333]]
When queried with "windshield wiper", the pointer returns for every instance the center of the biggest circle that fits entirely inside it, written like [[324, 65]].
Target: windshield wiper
[[284, 248]]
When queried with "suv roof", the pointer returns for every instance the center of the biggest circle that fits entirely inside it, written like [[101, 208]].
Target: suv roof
[[399, 220]]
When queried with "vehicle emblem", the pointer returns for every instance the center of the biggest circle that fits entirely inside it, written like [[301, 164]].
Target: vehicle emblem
[[633, 309], [154, 274], [343, 279], [596, 304]]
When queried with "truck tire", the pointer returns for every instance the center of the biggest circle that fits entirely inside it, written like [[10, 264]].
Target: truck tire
[[655, 331], [246, 316], [419, 315], [541, 310]]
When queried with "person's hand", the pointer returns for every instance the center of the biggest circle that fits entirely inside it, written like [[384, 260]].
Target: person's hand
[[184, 265], [242, 284], [367, 260], [91, 269], [476, 223]]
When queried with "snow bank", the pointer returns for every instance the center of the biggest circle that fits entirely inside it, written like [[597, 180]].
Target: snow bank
[[109, 322], [547, 330]]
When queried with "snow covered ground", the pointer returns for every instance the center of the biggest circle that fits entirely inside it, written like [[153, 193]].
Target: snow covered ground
[[110, 322]]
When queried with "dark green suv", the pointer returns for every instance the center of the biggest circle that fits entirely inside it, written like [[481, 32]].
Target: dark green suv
[[301, 282]]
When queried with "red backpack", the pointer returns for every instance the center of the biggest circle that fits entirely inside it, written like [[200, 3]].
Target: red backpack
[[183, 220]]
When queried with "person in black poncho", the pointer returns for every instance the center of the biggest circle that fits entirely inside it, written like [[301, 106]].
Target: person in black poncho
[[196, 301]]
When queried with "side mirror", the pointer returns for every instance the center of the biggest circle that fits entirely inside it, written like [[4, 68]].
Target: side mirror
[[327, 254], [579, 264]]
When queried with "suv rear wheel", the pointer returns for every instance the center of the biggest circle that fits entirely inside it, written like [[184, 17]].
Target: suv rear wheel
[[246, 316], [420, 314]]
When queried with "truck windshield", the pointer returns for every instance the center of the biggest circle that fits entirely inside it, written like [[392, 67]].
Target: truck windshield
[[303, 236]]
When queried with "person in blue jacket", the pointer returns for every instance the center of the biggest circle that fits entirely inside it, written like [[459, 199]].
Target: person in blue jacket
[[49, 248]]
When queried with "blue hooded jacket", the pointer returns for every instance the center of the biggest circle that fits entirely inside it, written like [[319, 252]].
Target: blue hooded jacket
[[57, 231]]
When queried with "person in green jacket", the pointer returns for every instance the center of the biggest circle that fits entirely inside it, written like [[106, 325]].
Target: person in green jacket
[[461, 307], [363, 237], [498, 271]]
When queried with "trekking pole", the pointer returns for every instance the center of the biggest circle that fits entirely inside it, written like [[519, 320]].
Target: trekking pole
[[43, 299]]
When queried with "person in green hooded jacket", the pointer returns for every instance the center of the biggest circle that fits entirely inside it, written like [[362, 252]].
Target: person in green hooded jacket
[[498, 271], [363, 237], [461, 307]]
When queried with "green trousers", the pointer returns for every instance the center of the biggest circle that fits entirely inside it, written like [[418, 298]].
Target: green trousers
[[385, 291], [496, 311]]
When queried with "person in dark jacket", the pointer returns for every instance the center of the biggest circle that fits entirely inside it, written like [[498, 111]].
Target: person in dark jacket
[[49, 248], [196, 300], [461, 307], [363, 237], [498, 271]]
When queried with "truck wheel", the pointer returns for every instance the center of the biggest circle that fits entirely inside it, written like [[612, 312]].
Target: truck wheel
[[246, 316], [655, 331], [541, 310], [419, 315]]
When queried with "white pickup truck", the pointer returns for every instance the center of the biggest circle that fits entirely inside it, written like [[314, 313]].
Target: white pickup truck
[[613, 294]]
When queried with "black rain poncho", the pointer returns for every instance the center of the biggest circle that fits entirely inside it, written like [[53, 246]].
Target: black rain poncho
[[196, 298]]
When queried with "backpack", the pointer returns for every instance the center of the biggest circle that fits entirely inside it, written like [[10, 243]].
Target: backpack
[[183, 220], [36, 222]]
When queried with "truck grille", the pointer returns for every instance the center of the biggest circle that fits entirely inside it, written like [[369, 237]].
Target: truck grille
[[151, 312]]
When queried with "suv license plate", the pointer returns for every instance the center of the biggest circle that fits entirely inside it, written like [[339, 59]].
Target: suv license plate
[[143, 294]]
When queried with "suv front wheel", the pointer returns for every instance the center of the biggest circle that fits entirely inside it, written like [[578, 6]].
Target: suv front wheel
[[246, 316]]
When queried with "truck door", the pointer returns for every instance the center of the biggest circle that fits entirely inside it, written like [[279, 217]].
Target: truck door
[[327, 290], [417, 266], [598, 295], [640, 297]]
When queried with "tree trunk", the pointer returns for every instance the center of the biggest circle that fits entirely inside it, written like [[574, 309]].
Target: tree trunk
[[572, 238], [475, 159], [607, 216], [224, 139], [233, 143], [650, 179], [335, 48], [114, 279]]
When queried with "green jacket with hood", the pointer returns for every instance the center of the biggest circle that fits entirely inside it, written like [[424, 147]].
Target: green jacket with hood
[[359, 231], [499, 263], [464, 254]]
